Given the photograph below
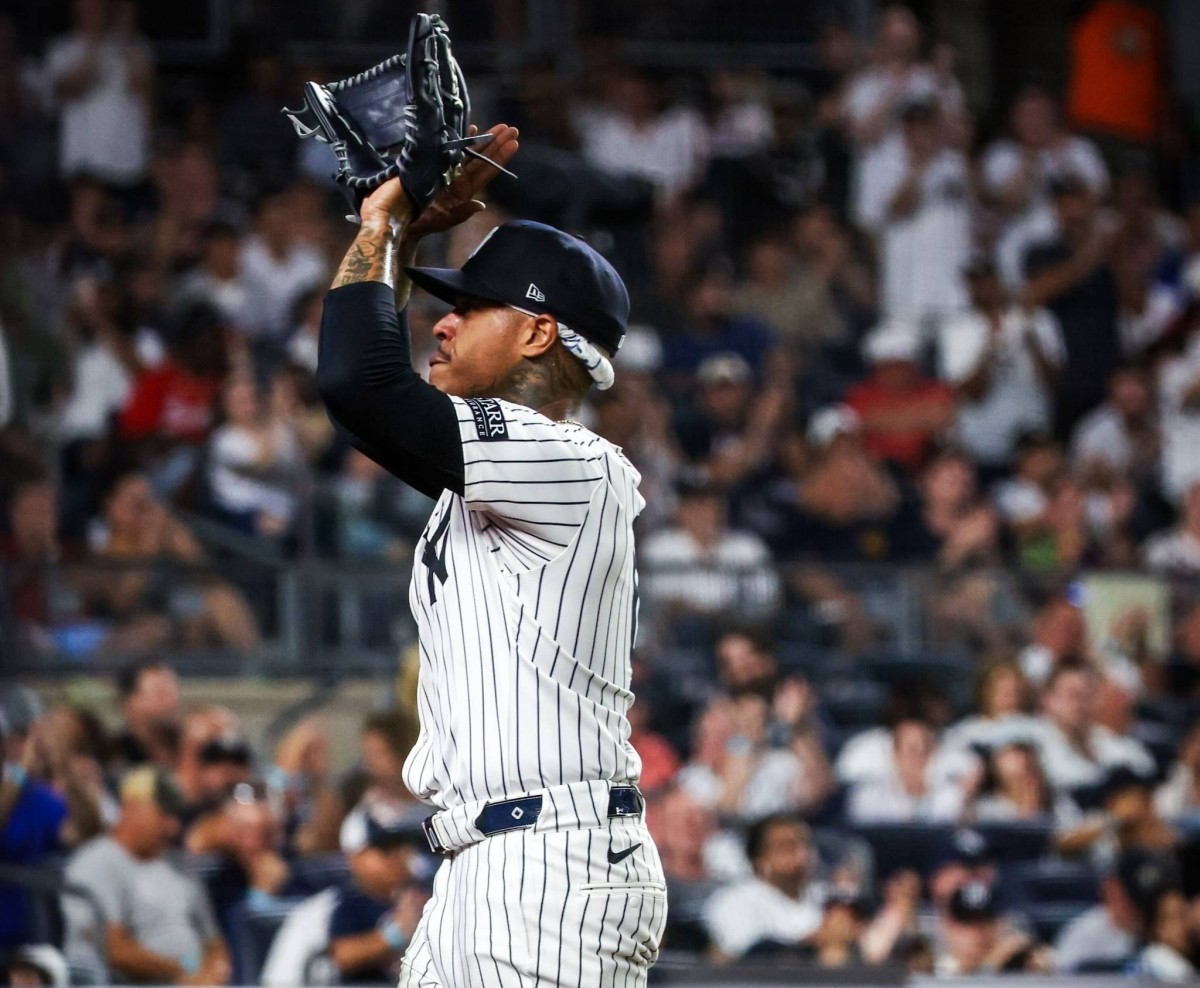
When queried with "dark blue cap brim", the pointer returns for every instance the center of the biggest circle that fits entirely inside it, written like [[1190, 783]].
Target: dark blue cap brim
[[449, 284]]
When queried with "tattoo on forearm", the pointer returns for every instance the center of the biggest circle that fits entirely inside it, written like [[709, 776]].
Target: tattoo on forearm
[[370, 258]]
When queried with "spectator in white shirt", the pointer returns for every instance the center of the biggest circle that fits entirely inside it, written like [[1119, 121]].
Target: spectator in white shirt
[[1120, 437], [1179, 407], [1178, 550], [780, 904], [254, 463], [1017, 172], [1003, 360], [276, 268], [103, 74], [637, 132], [910, 794], [1077, 751], [701, 565], [875, 97], [217, 280], [1003, 717], [919, 204]]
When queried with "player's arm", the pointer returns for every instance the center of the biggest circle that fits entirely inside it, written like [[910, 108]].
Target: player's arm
[[364, 371]]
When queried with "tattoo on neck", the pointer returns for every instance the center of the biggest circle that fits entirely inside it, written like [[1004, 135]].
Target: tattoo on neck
[[543, 384]]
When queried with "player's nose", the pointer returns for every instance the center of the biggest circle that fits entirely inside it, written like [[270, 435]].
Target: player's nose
[[445, 328]]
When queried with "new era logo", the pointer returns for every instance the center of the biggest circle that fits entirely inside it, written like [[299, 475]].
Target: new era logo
[[534, 293]]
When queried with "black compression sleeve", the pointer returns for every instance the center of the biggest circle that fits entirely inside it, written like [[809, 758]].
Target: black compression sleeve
[[367, 381]]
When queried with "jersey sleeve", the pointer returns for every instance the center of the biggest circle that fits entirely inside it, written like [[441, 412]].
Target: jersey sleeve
[[533, 476]]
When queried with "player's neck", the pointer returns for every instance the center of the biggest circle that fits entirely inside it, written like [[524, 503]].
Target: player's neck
[[540, 387]]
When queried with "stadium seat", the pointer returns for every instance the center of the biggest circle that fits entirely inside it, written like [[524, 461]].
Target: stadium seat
[[898, 846], [1047, 920], [854, 703], [1053, 881], [320, 873], [1013, 842], [252, 931]]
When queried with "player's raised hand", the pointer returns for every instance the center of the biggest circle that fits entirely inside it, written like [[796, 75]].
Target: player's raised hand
[[459, 202]]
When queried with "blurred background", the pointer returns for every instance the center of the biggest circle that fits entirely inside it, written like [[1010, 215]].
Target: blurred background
[[913, 384]]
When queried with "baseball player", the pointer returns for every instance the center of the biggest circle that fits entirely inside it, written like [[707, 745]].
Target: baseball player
[[523, 589]]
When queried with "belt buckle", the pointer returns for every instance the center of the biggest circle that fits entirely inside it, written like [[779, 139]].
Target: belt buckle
[[431, 837]]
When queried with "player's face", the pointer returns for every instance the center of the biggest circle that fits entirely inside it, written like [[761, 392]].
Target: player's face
[[477, 348]]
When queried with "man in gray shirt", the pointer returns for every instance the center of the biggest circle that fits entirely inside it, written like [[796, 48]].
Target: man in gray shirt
[[1107, 935], [159, 924]]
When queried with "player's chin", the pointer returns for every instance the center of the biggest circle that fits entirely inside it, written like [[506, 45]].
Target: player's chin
[[441, 378]]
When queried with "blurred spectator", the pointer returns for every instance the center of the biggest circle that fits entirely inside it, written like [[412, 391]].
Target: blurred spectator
[[827, 248], [1179, 795], [919, 206], [170, 411], [876, 97], [276, 267], [1018, 172], [311, 808], [638, 131], [902, 412], [733, 426], [1076, 751], [734, 769], [1001, 712], [1071, 275], [213, 758], [1128, 819], [45, 808], [910, 794], [964, 524], [160, 924], [216, 279], [103, 73], [1023, 499], [148, 694], [1178, 550], [1003, 361], [780, 904], [976, 940], [712, 328], [1015, 788], [1170, 942], [141, 533], [1179, 406], [254, 464], [1107, 935], [1120, 438], [794, 299], [377, 911], [703, 566], [660, 763], [257, 147]]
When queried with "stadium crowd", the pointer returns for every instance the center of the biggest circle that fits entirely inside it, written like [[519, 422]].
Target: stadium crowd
[[865, 333]]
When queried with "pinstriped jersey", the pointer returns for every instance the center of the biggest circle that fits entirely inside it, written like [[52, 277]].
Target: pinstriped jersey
[[525, 597]]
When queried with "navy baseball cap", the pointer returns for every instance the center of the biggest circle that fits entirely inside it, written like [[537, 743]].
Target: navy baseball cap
[[536, 267]]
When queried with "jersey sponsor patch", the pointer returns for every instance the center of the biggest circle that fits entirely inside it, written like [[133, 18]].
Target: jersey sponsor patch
[[489, 419]]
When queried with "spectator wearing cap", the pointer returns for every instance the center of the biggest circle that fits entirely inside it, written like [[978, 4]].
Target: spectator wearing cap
[[203, 779], [902, 412], [1106, 936], [157, 924], [1122, 437], [223, 763], [975, 940], [702, 566], [1071, 274], [1002, 360], [781, 903], [1076, 750], [921, 209], [913, 793], [732, 432], [965, 857], [1127, 818], [216, 280], [1018, 171], [378, 909]]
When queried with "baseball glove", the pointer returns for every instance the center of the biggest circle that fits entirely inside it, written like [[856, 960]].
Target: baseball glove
[[409, 116]]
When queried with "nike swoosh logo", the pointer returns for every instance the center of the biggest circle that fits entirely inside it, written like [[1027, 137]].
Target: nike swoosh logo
[[616, 857]]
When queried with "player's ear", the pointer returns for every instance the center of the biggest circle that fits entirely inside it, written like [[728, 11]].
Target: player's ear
[[538, 336]]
